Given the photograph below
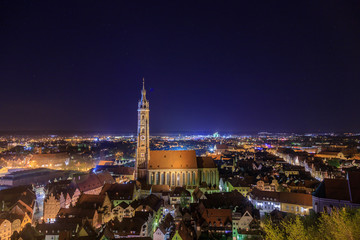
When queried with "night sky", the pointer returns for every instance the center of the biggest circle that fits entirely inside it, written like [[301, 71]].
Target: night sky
[[238, 66]]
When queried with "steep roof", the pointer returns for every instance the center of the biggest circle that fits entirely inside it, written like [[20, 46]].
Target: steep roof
[[128, 226], [77, 212], [91, 181], [182, 159], [11, 196], [60, 225], [205, 162], [238, 182], [118, 191], [160, 189], [178, 191], [341, 189], [105, 177], [87, 182], [283, 197], [221, 146], [64, 186], [217, 216], [152, 201], [90, 201]]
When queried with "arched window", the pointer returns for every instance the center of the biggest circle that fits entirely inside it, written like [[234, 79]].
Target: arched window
[[157, 178], [173, 179], [178, 180], [188, 178], [168, 178], [162, 178], [193, 178], [184, 179], [152, 178]]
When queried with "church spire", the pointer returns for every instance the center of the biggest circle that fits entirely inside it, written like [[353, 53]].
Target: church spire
[[143, 103]]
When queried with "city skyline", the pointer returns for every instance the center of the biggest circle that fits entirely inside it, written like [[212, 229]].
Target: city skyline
[[176, 120], [208, 68]]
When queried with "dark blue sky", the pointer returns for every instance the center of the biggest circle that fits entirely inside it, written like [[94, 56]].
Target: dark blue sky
[[213, 65]]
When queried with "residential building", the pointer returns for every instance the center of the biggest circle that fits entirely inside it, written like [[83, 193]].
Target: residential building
[[337, 193]]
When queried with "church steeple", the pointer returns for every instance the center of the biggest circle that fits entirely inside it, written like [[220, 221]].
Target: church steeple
[[143, 136], [143, 103]]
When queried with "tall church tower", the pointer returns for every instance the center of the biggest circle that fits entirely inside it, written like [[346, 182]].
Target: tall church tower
[[143, 143]]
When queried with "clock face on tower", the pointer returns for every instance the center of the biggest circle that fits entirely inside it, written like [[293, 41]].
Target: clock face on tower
[[142, 137]]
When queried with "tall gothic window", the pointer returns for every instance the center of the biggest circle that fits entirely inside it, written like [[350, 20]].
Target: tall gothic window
[[157, 178], [152, 178], [162, 178], [168, 178]]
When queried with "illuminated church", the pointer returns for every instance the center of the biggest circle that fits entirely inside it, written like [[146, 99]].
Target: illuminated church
[[173, 168]]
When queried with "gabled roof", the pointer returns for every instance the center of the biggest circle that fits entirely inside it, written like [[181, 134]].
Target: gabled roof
[[123, 205], [217, 216], [59, 225], [87, 182], [90, 201], [282, 197], [56, 188], [11, 195], [184, 231], [152, 201], [74, 212], [160, 189], [197, 193], [221, 147], [178, 191], [182, 159], [238, 182], [118, 191], [92, 181], [340, 189], [105, 177], [205, 162], [128, 226]]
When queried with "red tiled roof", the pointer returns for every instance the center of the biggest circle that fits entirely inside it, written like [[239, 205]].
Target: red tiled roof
[[221, 146], [283, 197], [205, 162], [183, 159], [336, 189], [217, 216]]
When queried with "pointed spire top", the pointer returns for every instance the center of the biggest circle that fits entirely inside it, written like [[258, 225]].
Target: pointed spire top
[[143, 83]]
